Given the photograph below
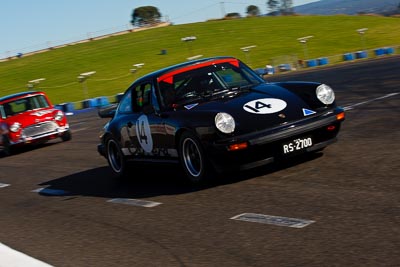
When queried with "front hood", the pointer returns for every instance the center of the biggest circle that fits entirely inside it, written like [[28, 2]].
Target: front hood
[[32, 117], [262, 107]]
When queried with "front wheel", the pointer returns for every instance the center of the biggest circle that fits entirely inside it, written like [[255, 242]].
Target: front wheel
[[192, 158], [6, 146], [115, 158], [66, 136]]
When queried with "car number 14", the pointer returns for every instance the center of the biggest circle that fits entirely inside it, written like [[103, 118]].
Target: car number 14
[[297, 144]]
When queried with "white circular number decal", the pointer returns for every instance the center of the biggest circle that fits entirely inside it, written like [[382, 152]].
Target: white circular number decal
[[265, 106], [143, 134]]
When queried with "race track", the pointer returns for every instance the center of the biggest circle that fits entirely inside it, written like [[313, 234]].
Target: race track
[[55, 199]]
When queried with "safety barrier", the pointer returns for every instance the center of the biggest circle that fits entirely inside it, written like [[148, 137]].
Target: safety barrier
[[312, 63], [66, 107], [102, 101], [361, 54]]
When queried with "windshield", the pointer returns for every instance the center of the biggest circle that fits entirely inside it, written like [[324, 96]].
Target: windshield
[[23, 104], [208, 81]]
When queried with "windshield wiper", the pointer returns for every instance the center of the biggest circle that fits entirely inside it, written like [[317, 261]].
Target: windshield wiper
[[242, 87]]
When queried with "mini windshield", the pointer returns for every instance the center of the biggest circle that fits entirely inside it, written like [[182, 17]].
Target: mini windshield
[[207, 81], [23, 104]]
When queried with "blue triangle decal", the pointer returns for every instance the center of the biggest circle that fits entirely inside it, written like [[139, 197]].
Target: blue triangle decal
[[188, 107], [308, 112]]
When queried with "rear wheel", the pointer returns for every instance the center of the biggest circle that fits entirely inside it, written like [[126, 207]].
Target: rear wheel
[[192, 157], [115, 158]]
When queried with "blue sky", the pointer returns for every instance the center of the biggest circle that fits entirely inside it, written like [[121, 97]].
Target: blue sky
[[28, 25]]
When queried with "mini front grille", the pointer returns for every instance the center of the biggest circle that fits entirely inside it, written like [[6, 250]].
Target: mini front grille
[[39, 129]]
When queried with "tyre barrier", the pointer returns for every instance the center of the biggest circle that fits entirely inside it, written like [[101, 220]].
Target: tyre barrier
[[95, 102], [389, 50], [88, 103], [379, 52], [65, 107], [348, 57], [361, 54], [323, 61], [312, 63], [102, 101]]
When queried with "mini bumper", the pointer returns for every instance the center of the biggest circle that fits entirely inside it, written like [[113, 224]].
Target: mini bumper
[[40, 135]]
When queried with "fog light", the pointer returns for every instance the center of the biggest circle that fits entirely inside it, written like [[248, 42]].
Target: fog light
[[340, 116], [236, 147]]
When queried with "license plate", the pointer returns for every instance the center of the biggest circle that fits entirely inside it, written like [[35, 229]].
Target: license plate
[[296, 145]]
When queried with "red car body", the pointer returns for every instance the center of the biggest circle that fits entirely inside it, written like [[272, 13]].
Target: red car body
[[29, 117]]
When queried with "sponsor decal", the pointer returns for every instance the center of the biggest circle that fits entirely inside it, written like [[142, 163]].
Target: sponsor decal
[[188, 107], [265, 106], [308, 112], [143, 133], [41, 113]]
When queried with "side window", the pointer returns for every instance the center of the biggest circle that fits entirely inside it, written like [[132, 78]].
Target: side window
[[2, 112], [125, 106], [167, 92], [142, 96], [146, 94], [38, 101]]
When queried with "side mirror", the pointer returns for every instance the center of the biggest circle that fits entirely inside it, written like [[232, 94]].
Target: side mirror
[[107, 112]]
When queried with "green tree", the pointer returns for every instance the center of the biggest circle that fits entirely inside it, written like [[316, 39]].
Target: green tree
[[253, 10], [273, 5], [145, 15], [287, 7], [233, 15]]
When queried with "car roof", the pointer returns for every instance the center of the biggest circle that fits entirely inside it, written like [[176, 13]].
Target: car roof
[[18, 95], [183, 65]]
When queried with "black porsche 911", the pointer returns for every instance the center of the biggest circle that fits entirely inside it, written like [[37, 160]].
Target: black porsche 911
[[217, 114]]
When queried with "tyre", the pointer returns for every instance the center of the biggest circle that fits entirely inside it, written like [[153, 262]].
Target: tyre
[[6, 146], [116, 158], [192, 158], [66, 136]]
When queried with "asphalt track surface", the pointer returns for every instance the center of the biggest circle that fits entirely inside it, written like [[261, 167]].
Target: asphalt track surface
[[350, 191]]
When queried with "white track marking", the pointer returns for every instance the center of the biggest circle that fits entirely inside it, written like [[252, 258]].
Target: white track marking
[[135, 202], [12, 258], [350, 107], [273, 220], [4, 185]]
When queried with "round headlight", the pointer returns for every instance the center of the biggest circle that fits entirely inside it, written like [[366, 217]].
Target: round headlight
[[59, 116], [225, 123], [15, 127], [325, 94]]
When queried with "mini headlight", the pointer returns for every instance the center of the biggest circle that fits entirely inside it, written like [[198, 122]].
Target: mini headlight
[[15, 127], [225, 123], [59, 116], [325, 94]]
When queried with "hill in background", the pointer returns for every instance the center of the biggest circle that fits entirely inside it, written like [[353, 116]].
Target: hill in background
[[275, 41], [350, 7]]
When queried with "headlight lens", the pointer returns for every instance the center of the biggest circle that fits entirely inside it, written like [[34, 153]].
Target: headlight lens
[[59, 116], [225, 122], [15, 127], [325, 94]]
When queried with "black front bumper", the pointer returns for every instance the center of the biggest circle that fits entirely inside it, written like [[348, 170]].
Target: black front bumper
[[265, 146]]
